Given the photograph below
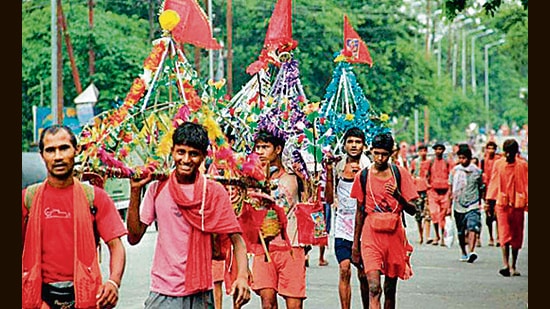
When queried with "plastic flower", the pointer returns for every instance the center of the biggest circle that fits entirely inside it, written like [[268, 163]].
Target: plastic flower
[[384, 117], [310, 108]]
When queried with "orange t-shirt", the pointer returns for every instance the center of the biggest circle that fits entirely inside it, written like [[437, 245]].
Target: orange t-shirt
[[509, 184], [488, 168], [419, 171], [381, 197], [58, 229], [439, 174]]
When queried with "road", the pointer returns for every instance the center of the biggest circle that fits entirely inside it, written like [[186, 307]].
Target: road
[[440, 280]]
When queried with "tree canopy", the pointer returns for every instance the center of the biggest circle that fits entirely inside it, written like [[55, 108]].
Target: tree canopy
[[403, 79]]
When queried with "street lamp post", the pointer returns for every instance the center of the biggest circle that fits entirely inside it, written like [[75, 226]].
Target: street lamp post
[[487, 32], [459, 23], [486, 48], [464, 35]]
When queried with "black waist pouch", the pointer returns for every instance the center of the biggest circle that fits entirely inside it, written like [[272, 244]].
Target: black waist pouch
[[59, 295]]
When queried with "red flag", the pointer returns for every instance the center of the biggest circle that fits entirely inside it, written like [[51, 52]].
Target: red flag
[[354, 46], [279, 31], [193, 27]]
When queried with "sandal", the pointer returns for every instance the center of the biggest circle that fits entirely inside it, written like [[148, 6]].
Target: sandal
[[323, 263], [504, 272]]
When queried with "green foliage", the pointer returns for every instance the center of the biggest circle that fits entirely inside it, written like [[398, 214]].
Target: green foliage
[[120, 45], [403, 78]]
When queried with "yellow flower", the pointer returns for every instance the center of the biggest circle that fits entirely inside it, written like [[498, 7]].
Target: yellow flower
[[350, 116], [169, 19], [219, 84], [310, 108], [384, 117]]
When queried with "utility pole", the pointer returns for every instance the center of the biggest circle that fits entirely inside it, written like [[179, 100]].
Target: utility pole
[[59, 65], [91, 53], [486, 48], [210, 51], [487, 32], [151, 21], [53, 22], [426, 109], [464, 35], [229, 24], [74, 69]]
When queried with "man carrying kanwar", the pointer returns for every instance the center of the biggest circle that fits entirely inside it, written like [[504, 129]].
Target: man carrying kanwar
[[189, 208]]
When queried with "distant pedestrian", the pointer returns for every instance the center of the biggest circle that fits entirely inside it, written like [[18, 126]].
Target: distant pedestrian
[[419, 170], [509, 188], [379, 242], [438, 192], [465, 194], [487, 162]]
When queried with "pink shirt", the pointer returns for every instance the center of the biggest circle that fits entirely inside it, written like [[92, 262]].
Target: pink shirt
[[171, 252]]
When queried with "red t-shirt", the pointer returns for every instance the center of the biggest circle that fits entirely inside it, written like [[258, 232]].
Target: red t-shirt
[[439, 174], [382, 198], [488, 168], [58, 224], [419, 171]]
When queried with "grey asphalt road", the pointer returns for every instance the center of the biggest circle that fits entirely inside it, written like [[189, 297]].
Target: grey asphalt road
[[440, 280]]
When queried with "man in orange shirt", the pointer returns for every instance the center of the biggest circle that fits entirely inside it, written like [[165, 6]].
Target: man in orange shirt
[[380, 243], [508, 187], [486, 167], [438, 192], [419, 171]]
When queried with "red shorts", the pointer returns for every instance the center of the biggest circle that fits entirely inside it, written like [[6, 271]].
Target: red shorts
[[286, 273], [438, 205], [386, 252], [218, 269], [510, 223]]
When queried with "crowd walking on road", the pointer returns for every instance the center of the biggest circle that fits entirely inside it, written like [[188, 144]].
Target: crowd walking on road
[[368, 192]]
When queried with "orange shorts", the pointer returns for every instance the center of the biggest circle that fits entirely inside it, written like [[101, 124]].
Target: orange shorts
[[286, 273], [218, 269], [510, 222], [438, 205]]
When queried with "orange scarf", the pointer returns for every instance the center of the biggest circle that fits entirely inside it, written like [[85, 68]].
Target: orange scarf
[[87, 274], [209, 211]]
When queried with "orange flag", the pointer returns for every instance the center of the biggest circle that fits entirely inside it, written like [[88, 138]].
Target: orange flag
[[193, 27], [279, 31], [354, 47]]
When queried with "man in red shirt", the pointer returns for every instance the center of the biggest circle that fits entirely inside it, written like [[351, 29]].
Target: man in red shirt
[[509, 188], [438, 192], [60, 263], [380, 244], [486, 168], [419, 171]]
